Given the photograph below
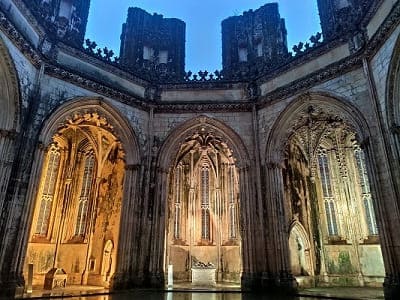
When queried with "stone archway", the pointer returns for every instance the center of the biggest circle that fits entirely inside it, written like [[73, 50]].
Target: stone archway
[[393, 112], [315, 148], [9, 118], [300, 251], [202, 188], [83, 173]]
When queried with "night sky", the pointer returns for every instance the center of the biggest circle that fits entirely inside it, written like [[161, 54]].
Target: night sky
[[203, 23]]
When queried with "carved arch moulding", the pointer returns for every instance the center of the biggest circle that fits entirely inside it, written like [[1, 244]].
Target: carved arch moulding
[[393, 90], [194, 127], [9, 91], [315, 113], [93, 111]]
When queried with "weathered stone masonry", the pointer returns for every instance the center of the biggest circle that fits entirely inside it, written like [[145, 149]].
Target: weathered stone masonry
[[285, 165]]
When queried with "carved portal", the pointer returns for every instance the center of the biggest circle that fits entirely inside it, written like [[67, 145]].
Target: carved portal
[[77, 210], [329, 200], [203, 208]]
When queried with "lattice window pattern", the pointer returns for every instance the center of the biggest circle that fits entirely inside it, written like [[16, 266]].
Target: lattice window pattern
[[329, 201], [84, 196], [366, 192], [177, 215], [205, 203], [232, 204], [47, 195]]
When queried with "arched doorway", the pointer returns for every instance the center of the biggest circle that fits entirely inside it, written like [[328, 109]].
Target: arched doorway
[[300, 251], [204, 206], [327, 193], [77, 205]]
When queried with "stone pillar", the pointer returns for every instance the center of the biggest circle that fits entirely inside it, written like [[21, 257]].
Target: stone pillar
[[249, 276], [278, 275], [157, 236], [6, 159], [387, 213], [129, 222]]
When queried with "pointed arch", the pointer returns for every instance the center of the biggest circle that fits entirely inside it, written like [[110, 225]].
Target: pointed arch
[[301, 256], [9, 92], [117, 124], [104, 185], [393, 89], [171, 145], [287, 122], [192, 138]]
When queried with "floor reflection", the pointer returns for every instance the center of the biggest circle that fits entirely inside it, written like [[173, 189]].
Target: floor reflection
[[191, 296]]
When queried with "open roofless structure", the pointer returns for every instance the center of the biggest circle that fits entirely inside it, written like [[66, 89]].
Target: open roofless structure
[[280, 171]]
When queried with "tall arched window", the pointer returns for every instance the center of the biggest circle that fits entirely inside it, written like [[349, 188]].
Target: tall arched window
[[329, 201], [205, 202], [232, 203], [365, 192], [84, 195], [178, 194], [48, 190]]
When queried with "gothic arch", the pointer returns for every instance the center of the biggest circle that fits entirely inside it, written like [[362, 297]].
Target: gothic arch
[[306, 260], [113, 186], [166, 161], [318, 119], [172, 143], [81, 105], [9, 92], [393, 89], [285, 125]]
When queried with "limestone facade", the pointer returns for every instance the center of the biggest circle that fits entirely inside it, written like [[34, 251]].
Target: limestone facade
[[282, 176]]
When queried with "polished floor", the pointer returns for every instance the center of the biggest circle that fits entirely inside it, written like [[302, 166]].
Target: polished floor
[[195, 293]]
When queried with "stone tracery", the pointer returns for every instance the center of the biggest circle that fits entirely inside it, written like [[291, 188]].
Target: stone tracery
[[79, 200], [203, 207], [327, 191]]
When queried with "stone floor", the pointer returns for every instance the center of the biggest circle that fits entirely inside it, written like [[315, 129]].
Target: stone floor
[[189, 292]]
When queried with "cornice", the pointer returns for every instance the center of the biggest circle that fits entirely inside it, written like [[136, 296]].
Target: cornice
[[107, 66], [336, 69], [96, 87], [332, 71], [384, 31], [203, 107], [302, 59], [29, 16], [19, 41]]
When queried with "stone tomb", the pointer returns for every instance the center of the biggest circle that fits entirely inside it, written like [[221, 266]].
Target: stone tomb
[[203, 274]]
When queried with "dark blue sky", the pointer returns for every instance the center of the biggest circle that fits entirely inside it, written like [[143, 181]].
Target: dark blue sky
[[203, 23]]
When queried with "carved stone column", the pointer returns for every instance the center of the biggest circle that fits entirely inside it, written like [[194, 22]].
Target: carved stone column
[[6, 159], [127, 256], [387, 213], [249, 275], [157, 236], [278, 275]]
